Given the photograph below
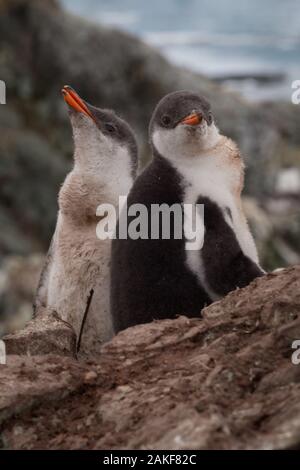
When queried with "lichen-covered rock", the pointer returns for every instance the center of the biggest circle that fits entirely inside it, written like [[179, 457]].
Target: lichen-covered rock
[[31, 172], [45, 334], [225, 381]]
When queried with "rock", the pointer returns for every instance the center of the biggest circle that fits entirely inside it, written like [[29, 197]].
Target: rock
[[31, 172], [45, 334], [288, 182], [90, 377], [283, 212], [18, 280], [275, 225], [259, 222], [222, 382], [25, 382]]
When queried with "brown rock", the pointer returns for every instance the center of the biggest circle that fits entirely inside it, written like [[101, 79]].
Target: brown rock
[[46, 334], [19, 276], [27, 382], [90, 377]]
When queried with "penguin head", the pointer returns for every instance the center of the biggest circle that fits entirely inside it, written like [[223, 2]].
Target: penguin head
[[102, 140], [182, 126]]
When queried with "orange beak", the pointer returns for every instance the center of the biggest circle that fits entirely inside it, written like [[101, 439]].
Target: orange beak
[[74, 101], [192, 119]]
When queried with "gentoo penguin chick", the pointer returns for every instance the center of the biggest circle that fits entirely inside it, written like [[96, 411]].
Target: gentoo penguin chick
[[192, 164], [105, 162]]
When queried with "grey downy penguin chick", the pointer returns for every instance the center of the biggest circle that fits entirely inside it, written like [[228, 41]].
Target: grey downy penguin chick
[[192, 164], [105, 163]]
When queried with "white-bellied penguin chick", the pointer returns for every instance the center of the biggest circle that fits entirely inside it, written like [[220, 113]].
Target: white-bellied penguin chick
[[192, 164], [105, 162]]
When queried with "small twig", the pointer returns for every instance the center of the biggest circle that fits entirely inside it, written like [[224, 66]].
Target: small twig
[[89, 300]]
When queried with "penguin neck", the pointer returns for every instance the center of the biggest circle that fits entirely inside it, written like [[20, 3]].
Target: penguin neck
[[110, 171], [95, 163], [219, 167], [180, 159]]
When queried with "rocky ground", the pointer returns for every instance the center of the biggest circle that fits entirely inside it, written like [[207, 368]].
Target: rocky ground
[[222, 382]]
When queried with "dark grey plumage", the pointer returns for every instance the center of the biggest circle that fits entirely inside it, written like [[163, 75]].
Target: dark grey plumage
[[151, 279]]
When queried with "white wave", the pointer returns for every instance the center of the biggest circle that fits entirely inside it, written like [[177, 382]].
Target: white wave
[[113, 18], [195, 38], [213, 64]]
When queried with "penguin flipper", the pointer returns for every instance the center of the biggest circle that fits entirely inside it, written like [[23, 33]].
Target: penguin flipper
[[227, 267]]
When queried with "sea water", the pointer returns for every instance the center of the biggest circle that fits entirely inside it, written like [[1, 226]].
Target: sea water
[[254, 45]]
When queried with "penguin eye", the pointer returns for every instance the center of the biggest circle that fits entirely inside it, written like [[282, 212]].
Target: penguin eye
[[166, 120], [110, 127]]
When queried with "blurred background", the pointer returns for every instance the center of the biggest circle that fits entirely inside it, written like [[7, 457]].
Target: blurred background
[[126, 54], [252, 45]]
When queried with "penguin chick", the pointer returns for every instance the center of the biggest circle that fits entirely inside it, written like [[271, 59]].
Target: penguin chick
[[105, 162], [192, 164]]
